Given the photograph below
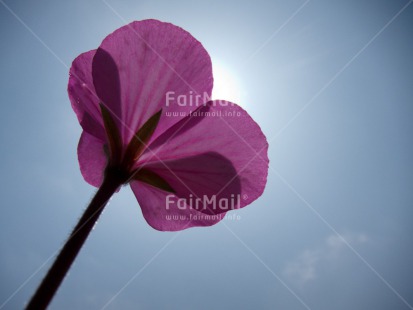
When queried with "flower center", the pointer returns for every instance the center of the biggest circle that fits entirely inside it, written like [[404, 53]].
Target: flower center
[[121, 163]]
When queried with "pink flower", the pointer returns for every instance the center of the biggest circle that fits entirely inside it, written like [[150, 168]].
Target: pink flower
[[137, 98]]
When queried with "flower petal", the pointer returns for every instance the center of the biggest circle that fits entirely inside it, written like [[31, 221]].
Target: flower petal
[[83, 96], [220, 127], [153, 204], [207, 182], [92, 158], [139, 65]]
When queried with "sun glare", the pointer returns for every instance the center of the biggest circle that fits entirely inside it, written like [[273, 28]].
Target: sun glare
[[226, 85]]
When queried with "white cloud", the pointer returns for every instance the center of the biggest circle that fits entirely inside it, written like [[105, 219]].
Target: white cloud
[[306, 266]]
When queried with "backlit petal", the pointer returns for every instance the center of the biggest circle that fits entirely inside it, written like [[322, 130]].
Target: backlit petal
[[225, 130], [152, 202], [138, 65], [208, 182], [92, 158], [83, 96]]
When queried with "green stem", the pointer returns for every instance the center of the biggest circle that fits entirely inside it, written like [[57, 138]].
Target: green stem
[[67, 255]]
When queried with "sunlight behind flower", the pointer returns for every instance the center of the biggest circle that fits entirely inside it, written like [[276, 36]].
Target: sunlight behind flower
[[226, 84]]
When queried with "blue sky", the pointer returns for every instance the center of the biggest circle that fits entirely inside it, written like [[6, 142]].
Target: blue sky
[[329, 82]]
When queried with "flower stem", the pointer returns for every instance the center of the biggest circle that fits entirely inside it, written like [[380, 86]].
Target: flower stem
[[67, 255]]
